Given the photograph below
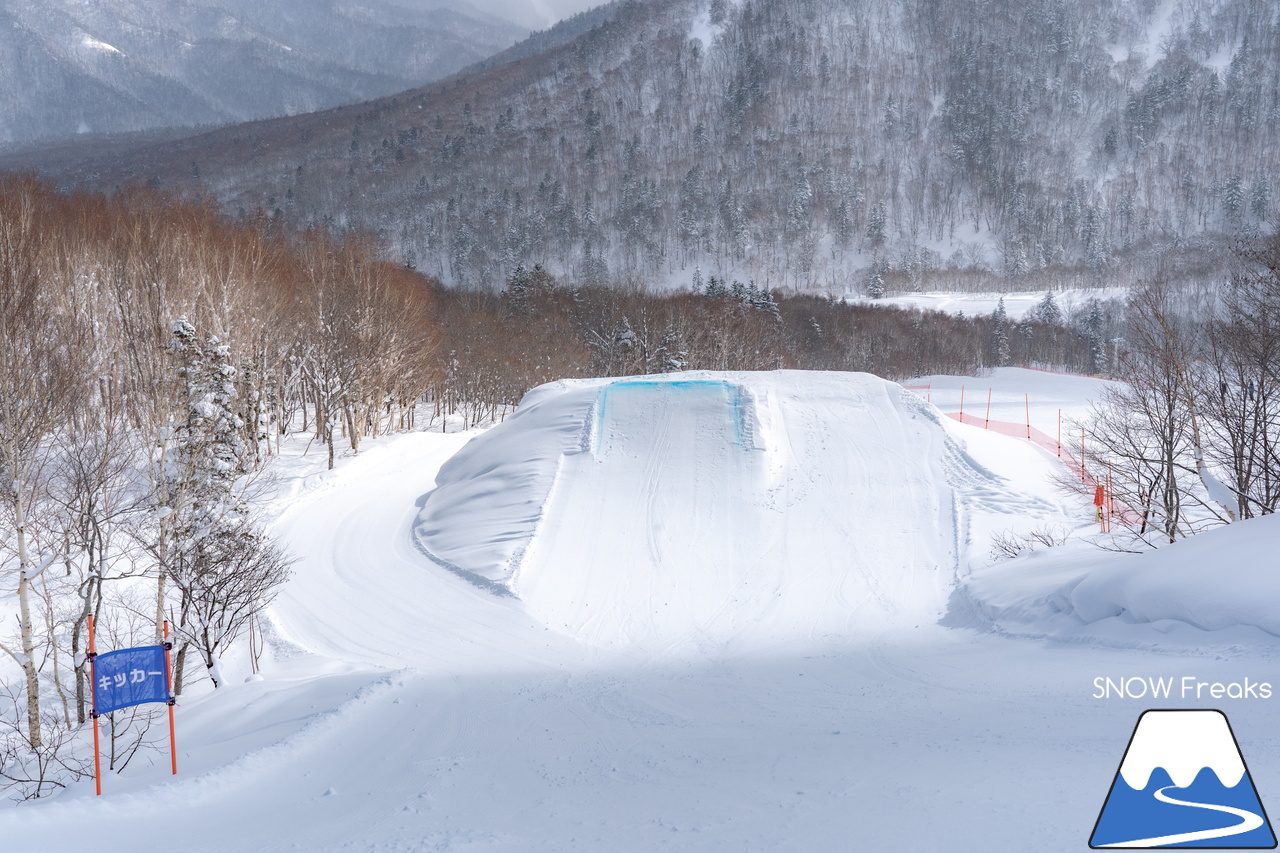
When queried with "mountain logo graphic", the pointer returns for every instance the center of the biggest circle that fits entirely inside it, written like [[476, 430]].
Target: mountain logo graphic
[[1183, 783]]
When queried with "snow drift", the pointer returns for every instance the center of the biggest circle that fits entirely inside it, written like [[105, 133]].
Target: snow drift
[[1222, 580], [694, 509]]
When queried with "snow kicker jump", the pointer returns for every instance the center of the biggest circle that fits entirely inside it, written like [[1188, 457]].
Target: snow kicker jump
[[692, 511]]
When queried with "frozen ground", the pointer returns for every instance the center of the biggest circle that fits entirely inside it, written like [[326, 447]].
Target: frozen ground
[[846, 668]]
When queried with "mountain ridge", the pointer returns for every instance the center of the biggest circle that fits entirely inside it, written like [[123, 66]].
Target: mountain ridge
[[816, 146], [115, 66]]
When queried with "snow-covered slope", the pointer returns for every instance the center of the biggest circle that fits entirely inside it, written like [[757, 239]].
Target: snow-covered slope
[[404, 708], [1220, 581], [109, 66], [697, 509]]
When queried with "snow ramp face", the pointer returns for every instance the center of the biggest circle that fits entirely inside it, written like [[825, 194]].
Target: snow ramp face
[[695, 511]]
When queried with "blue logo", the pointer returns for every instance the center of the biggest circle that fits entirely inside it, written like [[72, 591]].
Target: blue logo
[[1183, 783]]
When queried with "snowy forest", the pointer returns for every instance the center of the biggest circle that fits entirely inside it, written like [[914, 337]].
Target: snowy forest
[[158, 353], [814, 146], [682, 187]]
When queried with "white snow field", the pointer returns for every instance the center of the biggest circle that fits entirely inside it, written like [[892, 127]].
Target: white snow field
[[711, 612], [1017, 304]]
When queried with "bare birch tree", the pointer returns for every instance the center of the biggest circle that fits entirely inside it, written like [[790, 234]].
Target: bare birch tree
[[37, 388]]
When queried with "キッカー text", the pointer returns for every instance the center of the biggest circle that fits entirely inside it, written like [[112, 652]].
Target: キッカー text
[[1186, 687]]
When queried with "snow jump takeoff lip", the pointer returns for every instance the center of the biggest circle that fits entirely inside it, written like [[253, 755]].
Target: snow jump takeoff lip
[[686, 512], [1183, 783]]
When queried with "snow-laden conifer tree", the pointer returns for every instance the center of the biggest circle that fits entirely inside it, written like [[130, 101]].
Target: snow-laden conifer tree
[[1047, 311], [222, 566], [1093, 323], [875, 280], [1000, 334]]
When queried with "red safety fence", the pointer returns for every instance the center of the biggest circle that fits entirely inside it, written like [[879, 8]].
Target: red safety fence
[[1065, 373], [1111, 506], [1048, 442]]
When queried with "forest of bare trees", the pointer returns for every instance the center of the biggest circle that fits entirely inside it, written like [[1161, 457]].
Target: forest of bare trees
[[811, 146], [152, 354], [1191, 436]]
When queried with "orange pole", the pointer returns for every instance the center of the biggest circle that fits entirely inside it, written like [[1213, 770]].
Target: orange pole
[[97, 760], [1028, 417], [961, 404], [987, 425], [168, 683]]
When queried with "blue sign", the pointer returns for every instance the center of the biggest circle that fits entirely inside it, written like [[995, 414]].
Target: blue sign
[[129, 677]]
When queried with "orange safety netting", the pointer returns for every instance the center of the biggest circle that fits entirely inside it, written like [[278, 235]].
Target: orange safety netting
[[1111, 506]]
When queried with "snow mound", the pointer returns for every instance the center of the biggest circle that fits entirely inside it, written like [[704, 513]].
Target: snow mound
[[1191, 581], [1222, 580], [691, 510]]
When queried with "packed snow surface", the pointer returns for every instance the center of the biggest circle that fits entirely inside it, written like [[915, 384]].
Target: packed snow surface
[[717, 612], [1106, 595], [693, 510]]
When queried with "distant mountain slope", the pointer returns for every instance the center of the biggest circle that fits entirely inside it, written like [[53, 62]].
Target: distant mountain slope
[[534, 14], [820, 144], [124, 65]]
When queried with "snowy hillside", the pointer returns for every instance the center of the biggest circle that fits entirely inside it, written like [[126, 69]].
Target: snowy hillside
[[722, 634], [110, 66], [818, 146]]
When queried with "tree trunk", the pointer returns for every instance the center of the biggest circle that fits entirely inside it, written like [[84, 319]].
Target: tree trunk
[[211, 663], [75, 657], [353, 434], [179, 667], [24, 622]]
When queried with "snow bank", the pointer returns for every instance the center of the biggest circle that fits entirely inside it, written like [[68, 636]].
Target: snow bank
[[1221, 580], [693, 510], [489, 496]]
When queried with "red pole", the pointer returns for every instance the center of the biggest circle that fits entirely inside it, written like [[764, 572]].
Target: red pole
[[97, 760], [168, 682], [961, 404], [1059, 433], [1028, 417], [987, 425]]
